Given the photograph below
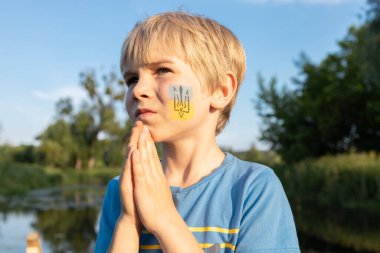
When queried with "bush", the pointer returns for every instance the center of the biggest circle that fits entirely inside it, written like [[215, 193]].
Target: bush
[[336, 198], [18, 178], [347, 180]]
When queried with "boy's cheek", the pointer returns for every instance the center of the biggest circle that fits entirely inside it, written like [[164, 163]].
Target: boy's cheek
[[128, 107], [181, 104], [178, 113]]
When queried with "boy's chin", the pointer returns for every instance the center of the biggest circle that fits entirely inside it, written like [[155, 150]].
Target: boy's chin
[[159, 138], [156, 138]]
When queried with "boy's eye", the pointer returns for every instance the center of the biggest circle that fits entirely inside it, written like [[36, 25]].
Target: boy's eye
[[132, 81], [163, 70]]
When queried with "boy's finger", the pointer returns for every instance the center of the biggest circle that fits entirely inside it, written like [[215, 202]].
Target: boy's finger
[[137, 171], [132, 145], [141, 145], [152, 150], [139, 124], [125, 173]]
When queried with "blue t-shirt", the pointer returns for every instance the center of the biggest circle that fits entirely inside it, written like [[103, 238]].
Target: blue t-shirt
[[240, 207]]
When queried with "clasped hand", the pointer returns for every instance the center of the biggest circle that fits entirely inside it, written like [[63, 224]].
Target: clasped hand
[[145, 193]]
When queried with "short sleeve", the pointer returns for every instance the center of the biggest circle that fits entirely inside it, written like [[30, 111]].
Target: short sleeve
[[267, 223], [110, 214]]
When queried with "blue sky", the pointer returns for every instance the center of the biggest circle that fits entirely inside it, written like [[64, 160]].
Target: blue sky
[[44, 45]]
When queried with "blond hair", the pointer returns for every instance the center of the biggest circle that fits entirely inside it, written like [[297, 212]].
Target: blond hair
[[207, 46]]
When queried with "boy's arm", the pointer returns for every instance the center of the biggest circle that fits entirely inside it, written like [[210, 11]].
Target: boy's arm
[[267, 220], [154, 201], [126, 236], [175, 237], [109, 215]]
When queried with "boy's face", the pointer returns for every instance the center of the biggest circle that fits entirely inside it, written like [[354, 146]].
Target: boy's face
[[166, 95]]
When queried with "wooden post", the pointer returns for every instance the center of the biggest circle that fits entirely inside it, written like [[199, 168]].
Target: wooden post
[[33, 243]]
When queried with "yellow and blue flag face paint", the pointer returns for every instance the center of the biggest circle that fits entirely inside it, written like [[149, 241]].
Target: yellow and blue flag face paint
[[181, 105]]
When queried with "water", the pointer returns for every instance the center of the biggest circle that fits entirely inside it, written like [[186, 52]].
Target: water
[[65, 217], [67, 220], [13, 230], [338, 230]]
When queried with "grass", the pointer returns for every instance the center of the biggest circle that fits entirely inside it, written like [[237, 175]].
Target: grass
[[336, 198], [346, 180], [18, 178]]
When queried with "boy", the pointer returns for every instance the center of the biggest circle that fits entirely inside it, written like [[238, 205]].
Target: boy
[[183, 73]]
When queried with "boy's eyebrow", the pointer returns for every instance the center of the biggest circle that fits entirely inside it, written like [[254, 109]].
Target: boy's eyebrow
[[150, 64], [158, 62], [128, 73]]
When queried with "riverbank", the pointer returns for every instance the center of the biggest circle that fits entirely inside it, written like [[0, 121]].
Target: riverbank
[[18, 178], [336, 198]]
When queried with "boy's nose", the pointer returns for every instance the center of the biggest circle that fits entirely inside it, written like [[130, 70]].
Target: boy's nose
[[143, 89]]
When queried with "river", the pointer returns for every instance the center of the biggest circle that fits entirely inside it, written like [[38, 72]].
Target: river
[[67, 220]]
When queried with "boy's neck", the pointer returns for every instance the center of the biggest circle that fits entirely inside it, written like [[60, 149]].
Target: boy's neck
[[186, 162]]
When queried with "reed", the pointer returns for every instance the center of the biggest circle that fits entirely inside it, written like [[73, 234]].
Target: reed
[[336, 198], [17, 178], [347, 180]]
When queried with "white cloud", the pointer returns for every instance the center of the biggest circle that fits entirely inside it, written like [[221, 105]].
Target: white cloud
[[73, 91], [312, 2], [23, 117]]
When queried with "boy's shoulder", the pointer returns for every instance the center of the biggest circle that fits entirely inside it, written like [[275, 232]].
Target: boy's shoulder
[[233, 172], [249, 170], [113, 186], [250, 179]]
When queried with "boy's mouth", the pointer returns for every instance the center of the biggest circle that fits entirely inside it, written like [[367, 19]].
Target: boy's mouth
[[142, 112]]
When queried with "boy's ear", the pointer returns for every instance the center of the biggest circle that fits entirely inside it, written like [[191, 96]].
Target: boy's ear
[[223, 95]]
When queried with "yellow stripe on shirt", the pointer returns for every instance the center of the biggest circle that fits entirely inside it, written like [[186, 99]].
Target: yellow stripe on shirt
[[214, 229], [151, 247], [207, 229], [222, 245], [202, 245], [199, 229]]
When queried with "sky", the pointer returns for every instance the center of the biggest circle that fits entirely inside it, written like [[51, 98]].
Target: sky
[[44, 45]]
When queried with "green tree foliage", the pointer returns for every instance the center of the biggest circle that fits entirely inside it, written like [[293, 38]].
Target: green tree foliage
[[327, 192], [18, 178], [20, 154], [24, 154], [78, 226], [268, 158], [64, 107], [335, 105], [92, 134], [57, 146], [114, 148]]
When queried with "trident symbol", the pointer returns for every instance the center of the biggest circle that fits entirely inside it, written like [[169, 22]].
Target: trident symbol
[[181, 101]]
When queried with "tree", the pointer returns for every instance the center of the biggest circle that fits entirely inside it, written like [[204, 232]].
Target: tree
[[334, 106], [98, 115], [84, 136], [64, 108], [57, 146]]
